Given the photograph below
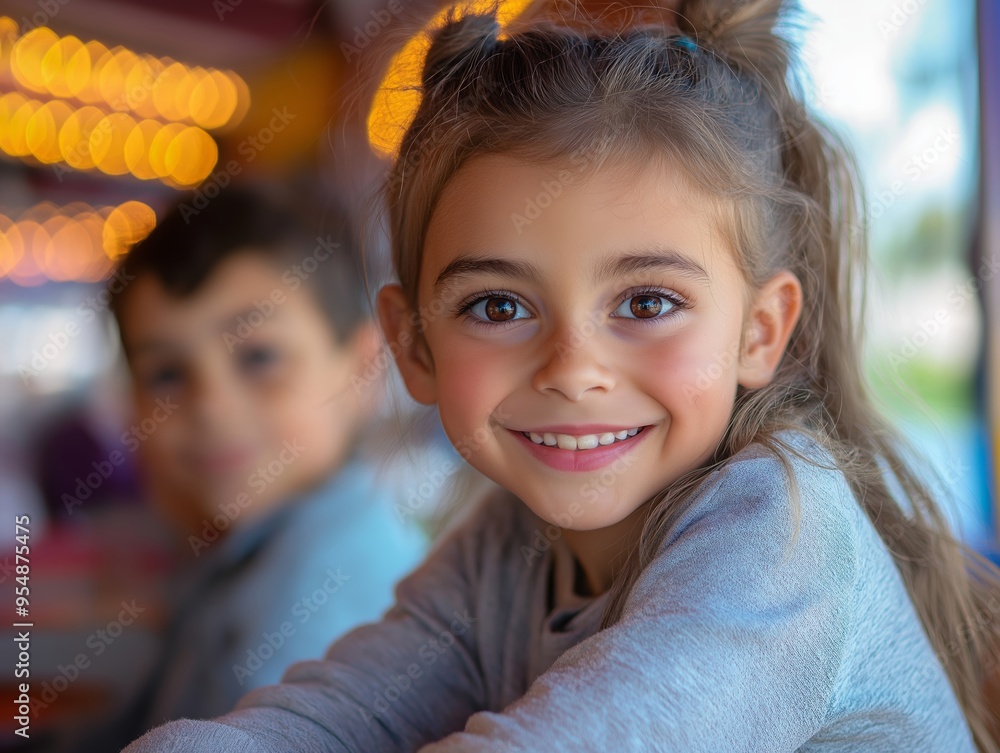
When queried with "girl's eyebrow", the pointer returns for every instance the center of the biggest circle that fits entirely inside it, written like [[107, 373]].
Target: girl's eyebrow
[[465, 266], [608, 268], [654, 259]]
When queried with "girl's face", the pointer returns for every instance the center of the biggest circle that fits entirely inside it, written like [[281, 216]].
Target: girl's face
[[585, 336]]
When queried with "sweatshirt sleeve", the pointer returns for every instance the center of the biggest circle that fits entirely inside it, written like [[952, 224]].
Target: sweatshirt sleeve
[[730, 640], [392, 685]]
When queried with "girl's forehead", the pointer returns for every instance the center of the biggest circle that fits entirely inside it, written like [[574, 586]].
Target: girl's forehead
[[526, 194], [558, 208]]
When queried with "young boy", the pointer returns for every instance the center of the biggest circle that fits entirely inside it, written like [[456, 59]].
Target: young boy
[[242, 329]]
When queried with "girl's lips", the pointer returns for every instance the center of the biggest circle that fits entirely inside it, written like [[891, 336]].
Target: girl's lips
[[580, 429], [580, 460]]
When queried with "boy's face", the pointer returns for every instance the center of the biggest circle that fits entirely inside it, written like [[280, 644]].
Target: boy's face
[[242, 394], [614, 306]]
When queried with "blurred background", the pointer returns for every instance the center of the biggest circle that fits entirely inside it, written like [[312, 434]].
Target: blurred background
[[110, 108]]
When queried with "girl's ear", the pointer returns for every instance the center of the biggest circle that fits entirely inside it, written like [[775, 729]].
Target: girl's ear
[[407, 344], [770, 322]]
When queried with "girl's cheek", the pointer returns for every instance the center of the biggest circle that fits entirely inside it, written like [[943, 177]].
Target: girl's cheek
[[469, 395], [693, 368]]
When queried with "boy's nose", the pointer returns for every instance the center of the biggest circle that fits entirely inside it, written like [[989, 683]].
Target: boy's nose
[[213, 397], [573, 368]]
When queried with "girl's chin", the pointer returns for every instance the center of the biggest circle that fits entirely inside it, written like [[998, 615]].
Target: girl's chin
[[575, 513]]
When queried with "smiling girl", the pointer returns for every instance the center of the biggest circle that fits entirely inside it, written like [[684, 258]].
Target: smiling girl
[[643, 254]]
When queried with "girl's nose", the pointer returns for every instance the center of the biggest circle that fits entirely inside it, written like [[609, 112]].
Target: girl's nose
[[574, 368]]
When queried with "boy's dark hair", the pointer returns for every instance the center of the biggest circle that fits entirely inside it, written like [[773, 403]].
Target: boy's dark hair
[[186, 247]]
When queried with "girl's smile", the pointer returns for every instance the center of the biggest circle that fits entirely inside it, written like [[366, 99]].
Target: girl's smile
[[584, 448]]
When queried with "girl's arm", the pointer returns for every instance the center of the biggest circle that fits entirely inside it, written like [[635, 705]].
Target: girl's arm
[[726, 643], [391, 685]]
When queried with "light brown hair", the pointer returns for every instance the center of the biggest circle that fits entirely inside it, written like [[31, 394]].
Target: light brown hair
[[712, 92]]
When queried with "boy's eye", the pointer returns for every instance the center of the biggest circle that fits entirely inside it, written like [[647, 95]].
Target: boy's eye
[[644, 306], [163, 378], [497, 309], [258, 358]]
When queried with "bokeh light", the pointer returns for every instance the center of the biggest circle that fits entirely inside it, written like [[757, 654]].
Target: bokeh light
[[86, 106], [78, 242]]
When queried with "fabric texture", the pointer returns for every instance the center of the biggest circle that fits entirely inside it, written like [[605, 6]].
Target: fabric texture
[[739, 636]]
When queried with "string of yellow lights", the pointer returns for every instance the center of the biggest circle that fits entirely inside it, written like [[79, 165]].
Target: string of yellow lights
[[77, 242], [83, 106]]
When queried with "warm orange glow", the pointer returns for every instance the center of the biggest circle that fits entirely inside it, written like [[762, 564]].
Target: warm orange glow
[[99, 56], [76, 242], [158, 149], [167, 84], [139, 84], [137, 149], [204, 96], [126, 225], [242, 100], [191, 156], [66, 67], [107, 143], [397, 98], [111, 83], [27, 55], [9, 104], [42, 131], [74, 137], [8, 30], [17, 136]]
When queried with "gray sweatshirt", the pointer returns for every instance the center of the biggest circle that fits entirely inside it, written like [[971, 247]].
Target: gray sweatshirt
[[735, 638]]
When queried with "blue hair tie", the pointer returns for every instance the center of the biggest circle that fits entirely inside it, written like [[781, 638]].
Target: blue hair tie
[[685, 42]]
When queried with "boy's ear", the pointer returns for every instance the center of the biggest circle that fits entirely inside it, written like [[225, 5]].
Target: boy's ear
[[771, 319], [407, 344]]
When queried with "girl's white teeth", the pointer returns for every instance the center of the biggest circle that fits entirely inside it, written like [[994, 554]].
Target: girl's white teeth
[[586, 442]]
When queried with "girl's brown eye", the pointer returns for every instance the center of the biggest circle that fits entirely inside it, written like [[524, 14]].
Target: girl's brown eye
[[500, 309], [645, 306]]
